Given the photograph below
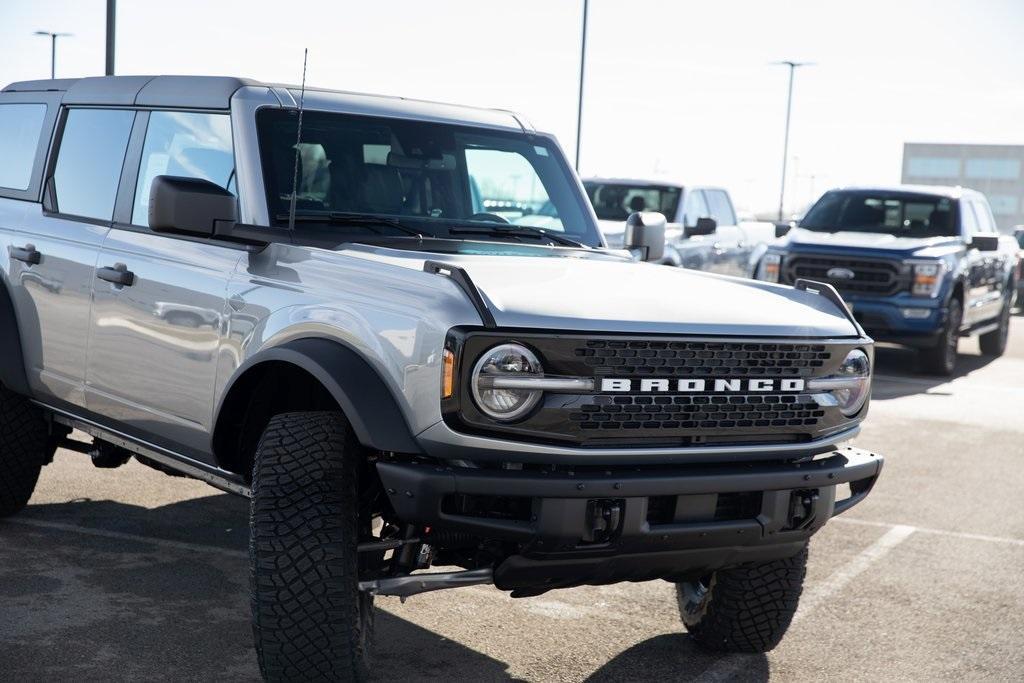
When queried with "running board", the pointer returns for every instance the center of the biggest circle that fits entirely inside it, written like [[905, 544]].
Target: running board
[[218, 478], [404, 586]]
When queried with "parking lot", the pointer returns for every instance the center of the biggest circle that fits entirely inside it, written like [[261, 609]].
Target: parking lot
[[133, 575]]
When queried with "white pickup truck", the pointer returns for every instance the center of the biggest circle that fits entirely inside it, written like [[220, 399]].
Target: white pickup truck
[[703, 231]]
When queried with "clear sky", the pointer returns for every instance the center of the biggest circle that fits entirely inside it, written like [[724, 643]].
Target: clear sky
[[678, 90]]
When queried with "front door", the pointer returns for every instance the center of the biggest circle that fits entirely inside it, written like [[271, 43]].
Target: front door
[[155, 336], [53, 251]]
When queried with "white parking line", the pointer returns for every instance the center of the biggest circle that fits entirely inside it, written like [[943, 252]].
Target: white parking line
[[940, 532], [121, 536], [730, 666]]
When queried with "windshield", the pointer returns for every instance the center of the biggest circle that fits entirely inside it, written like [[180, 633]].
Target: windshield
[[615, 201], [896, 213], [428, 176]]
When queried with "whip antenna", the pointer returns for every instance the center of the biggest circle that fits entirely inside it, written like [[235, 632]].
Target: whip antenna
[[298, 142]]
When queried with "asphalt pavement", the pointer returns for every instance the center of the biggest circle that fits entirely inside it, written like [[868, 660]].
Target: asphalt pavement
[[129, 574]]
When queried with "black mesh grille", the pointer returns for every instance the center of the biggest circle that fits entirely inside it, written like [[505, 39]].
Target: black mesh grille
[[616, 413], [704, 359], [871, 277]]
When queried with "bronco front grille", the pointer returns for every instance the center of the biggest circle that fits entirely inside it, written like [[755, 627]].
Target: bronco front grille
[[698, 412], [706, 359], [870, 276]]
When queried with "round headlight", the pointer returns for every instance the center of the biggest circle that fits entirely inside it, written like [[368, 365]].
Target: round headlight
[[505, 361], [856, 368]]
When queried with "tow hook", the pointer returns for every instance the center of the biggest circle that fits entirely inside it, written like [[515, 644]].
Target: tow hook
[[604, 517], [801, 509]]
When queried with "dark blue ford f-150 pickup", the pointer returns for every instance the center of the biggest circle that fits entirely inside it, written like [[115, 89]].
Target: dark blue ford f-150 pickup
[[919, 266]]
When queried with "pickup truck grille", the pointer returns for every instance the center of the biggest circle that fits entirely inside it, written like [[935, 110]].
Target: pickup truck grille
[[870, 276], [706, 359]]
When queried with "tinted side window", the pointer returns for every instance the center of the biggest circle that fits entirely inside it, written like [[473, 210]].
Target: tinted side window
[[184, 144], [89, 161], [20, 127], [721, 207]]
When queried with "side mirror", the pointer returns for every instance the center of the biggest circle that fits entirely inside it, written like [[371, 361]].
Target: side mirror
[[645, 232], [985, 242], [705, 226], [189, 206], [782, 228]]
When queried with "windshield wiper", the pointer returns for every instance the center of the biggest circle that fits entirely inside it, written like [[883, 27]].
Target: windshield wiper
[[510, 230], [364, 220]]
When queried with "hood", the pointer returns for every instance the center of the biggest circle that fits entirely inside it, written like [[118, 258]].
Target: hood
[[891, 245], [594, 293]]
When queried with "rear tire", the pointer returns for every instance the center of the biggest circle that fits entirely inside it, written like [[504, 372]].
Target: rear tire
[[24, 449], [746, 608], [310, 620], [994, 343], [941, 359]]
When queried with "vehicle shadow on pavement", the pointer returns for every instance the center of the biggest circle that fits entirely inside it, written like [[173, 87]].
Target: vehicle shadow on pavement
[[133, 593], [901, 365], [675, 657]]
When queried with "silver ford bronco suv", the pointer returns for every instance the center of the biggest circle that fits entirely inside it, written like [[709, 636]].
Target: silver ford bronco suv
[[394, 325]]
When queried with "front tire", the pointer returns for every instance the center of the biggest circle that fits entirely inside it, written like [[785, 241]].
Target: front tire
[[941, 359], [24, 449], [310, 620], [746, 608]]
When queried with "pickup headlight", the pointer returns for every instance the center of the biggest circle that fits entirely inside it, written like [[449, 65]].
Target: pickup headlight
[[497, 378], [850, 386], [927, 277], [770, 266]]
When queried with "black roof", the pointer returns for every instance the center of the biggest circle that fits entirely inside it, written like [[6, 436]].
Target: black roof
[[203, 92]]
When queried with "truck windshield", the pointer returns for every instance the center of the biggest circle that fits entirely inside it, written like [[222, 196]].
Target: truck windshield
[[437, 179], [615, 201], [896, 213]]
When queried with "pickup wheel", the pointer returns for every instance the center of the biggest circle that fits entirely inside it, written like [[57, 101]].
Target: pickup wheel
[[310, 620], [941, 358], [994, 343], [746, 608], [24, 449]]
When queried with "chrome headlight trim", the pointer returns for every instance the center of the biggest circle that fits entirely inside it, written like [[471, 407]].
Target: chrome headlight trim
[[487, 378]]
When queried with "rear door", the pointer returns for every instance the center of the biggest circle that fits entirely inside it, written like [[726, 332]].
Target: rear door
[[986, 267], [154, 343], [53, 248]]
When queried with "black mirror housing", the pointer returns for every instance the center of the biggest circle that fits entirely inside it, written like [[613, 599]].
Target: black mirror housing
[[646, 232], [189, 206], [704, 226], [782, 228], [985, 242]]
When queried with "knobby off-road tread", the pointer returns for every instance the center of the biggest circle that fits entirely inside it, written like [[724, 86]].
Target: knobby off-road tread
[[309, 621], [747, 608], [24, 449]]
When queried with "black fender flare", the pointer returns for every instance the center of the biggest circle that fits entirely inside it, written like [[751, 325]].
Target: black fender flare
[[357, 388], [12, 368]]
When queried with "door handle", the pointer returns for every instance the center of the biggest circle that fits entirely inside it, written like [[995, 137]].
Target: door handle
[[27, 253], [117, 274]]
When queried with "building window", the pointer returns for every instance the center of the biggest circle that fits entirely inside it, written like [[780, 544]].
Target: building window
[[993, 169], [1003, 205], [933, 167]]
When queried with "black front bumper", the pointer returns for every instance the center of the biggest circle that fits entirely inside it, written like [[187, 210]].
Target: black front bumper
[[658, 522]]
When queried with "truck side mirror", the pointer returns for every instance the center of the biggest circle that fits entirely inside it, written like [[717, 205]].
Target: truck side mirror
[[704, 226], [782, 228], [189, 206], [985, 242], [645, 232]]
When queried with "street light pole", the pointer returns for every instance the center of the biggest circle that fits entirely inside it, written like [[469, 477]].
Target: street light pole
[[53, 49], [785, 144], [111, 15], [583, 63]]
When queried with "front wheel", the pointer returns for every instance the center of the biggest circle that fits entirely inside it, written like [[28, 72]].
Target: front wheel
[[746, 608], [310, 620], [941, 358], [24, 449]]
